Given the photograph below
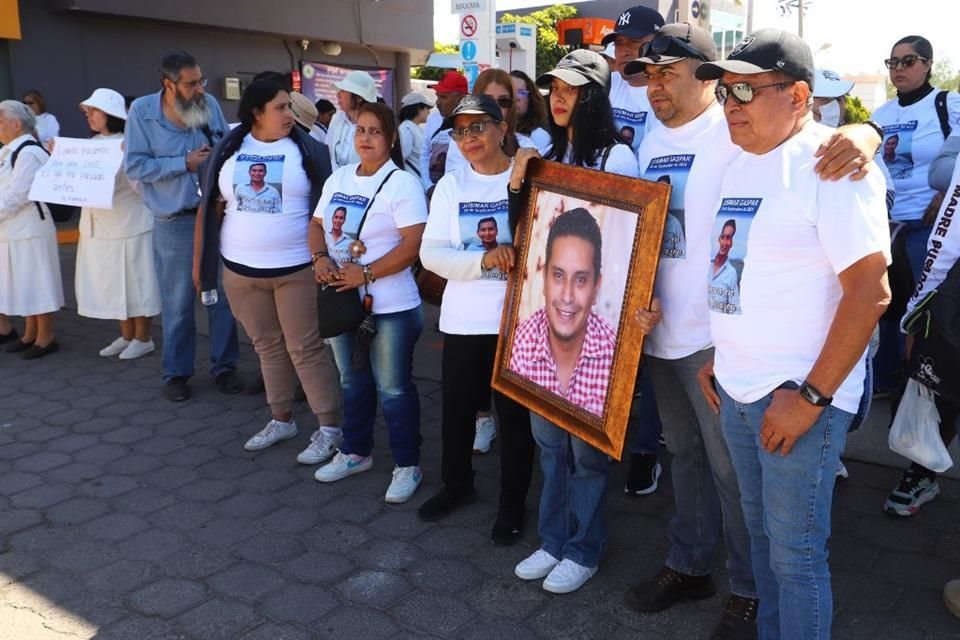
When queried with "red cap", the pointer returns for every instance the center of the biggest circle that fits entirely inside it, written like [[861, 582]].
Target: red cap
[[452, 82]]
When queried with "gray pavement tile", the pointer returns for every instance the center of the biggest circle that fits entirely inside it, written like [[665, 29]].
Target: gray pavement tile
[[53, 584], [246, 581], [925, 609], [288, 520], [389, 555], [76, 511], [108, 486], [142, 500], [500, 629], [14, 565], [272, 631], [101, 453], [127, 435], [353, 622], [183, 516], [227, 468], [204, 490], [248, 505], [220, 619], [913, 569], [119, 409], [13, 481], [16, 450], [196, 561], [317, 567], [433, 613], [46, 433], [134, 464], [153, 545], [41, 461], [393, 523], [97, 426], [352, 508], [334, 536], [947, 546], [379, 589], [18, 520], [43, 496], [859, 593], [159, 445], [167, 597], [191, 456], [444, 576], [269, 548], [453, 542], [42, 537], [562, 620], [508, 597], [268, 480], [169, 478], [298, 603], [180, 427], [74, 472], [121, 576], [876, 626], [86, 555], [72, 442], [148, 418], [90, 402], [223, 532], [887, 533]]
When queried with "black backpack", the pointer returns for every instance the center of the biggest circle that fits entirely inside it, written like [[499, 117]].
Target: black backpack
[[59, 212], [935, 358]]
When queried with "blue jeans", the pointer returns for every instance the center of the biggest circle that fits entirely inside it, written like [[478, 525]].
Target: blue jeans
[[786, 504], [644, 426], [705, 491], [387, 376], [572, 522], [173, 257]]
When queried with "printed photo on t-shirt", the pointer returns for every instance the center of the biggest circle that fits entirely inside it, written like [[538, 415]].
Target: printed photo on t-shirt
[[485, 226], [897, 149], [341, 219], [731, 229], [630, 125], [672, 170], [439, 145], [258, 183]]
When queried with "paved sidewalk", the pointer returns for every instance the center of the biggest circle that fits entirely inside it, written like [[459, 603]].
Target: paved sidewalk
[[125, 516]]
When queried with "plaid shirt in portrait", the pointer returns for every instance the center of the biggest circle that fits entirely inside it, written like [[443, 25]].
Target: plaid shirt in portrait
[[531, 357]]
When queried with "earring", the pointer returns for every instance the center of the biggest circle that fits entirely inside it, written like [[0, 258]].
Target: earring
[[503, 140]]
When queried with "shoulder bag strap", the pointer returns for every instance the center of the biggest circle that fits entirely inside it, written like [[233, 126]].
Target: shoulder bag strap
[[606, 154], [13, 163], [941, 104]]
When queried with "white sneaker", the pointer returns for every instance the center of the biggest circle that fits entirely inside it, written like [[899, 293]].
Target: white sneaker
[[342, 465], [323, 444], [114, 348], [274, 432], [137, 349], [568, 576], [405, 482], [486, 432], [536, 566]]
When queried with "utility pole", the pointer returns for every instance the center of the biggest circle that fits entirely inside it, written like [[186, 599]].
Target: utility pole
[[800, 18]]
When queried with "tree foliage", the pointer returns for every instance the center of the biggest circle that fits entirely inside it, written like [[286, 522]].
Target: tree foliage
[[855, 111], [549, 50], [434, 73]]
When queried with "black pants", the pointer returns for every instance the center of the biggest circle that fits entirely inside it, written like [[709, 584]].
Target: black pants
[[466, 366]]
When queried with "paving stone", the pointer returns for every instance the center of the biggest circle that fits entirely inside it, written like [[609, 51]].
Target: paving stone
[[444, 576], [14, 565], [108, 486], [153, 545], [269, 548], [389, 555], [219, 619], [127, 435], [369, 588], [86, 555], [204, 490], [398, 524], [223, 532], [317, 567], [119, 409], [246, 581], [134, 464], [142, 500], [42, 496], [159, 445], [170, 478], [561, 620], [14, 481], [352, 622], [509, 598], [19, 519], [44, 433], [74, 472], [191, 456], [196, 562], [913, 569], [507, 630], [97, 425], [102, 453], [288, 520], [299, 603], [433, 613], [17, 450], [41, 461], [452, 542], [267, 481], [167, 597], [147, 418], [41, 538], [352, 508], [76, 511], [183, 516], [121, 576], [213, 437], [334, 536], [248, 505]]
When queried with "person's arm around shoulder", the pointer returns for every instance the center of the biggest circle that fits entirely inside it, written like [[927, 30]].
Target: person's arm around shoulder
[[848, 152], [622, 161], [139, 160]]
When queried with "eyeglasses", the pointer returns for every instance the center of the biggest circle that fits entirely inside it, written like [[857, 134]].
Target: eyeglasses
[[474, 129], [906, 61], [193, 84], [742, 92], [671, 46], [523, 93], [505, 102]]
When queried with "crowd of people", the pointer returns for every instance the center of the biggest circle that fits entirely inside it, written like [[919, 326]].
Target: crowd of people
[[752, 388]]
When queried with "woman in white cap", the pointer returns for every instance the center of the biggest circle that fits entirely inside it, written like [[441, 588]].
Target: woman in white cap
[[414, 109], [30, 284], [116, 278], [354, 91]]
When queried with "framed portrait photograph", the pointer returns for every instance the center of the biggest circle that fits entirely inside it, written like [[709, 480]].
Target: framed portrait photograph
[[587, 248]]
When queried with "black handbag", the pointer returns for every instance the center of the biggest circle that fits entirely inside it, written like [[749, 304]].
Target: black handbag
[[341, 312]]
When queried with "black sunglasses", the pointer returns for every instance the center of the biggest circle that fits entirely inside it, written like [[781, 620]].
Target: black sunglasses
[[504, 102], [743, 92], [670, 46], [906, 61]]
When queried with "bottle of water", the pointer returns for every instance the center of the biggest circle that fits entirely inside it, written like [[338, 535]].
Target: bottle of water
[[209, 298]]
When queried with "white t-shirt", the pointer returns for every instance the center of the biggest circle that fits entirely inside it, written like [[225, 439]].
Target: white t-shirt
[[473, 298], [912, 138], [541, 139], [411, 141], [620, 160], [340, 135], [455, 158], [319, 133], [794, 234], [399, 204], [265, 227], [631, 109], [696, 153]]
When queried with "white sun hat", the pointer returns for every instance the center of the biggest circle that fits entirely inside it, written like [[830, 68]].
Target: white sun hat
[[108, 101]]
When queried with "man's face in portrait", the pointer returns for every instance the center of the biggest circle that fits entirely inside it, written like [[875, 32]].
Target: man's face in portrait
[[571, 285]]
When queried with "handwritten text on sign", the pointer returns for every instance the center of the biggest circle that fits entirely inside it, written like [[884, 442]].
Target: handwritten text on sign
[[80, 172]]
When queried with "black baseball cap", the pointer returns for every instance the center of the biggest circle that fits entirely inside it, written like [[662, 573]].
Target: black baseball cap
[[765, 50], [635, 22], [579, 67], [675, 42], [474, 106]]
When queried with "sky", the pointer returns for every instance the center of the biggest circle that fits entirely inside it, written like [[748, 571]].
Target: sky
[[860, 33]]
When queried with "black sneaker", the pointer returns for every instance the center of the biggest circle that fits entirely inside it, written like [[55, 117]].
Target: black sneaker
[[176, 390], [508, 527], [229, 382], [738, 620], [917, 487], [666, 589], [446, 501], [9, 337], [644, 475]]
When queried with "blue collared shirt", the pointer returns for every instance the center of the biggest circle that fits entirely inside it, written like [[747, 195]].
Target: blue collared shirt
[[156, 154]]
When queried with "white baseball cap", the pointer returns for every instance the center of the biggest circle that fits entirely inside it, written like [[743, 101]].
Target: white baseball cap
[[415, 97], [828, 84], [609, 51], [108, 101], [359, 83]]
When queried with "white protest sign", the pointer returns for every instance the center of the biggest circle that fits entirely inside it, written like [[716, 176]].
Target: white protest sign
[[80, 172]]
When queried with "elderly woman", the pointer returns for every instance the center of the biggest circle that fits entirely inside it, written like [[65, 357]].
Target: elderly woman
[[381, 209], [354, 91], [48, 127], [30, 283], [261, 183], [116, 278]]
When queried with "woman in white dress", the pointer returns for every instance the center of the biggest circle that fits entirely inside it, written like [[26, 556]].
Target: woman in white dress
[[47, 126], [116, 278], [30, 283]]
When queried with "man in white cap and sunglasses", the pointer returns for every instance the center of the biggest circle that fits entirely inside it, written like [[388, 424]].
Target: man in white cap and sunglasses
[[788, 370]]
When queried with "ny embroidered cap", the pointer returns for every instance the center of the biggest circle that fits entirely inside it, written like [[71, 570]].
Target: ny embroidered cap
[[765, 50], [452, 82], [304, 111], [359, 83], [108, 101], [635, 23], [829, 84], [474, 106], [579, 67], [675, 42], [415, 97]]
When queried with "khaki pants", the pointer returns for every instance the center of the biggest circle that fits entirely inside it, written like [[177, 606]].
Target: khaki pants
[[280, 316]]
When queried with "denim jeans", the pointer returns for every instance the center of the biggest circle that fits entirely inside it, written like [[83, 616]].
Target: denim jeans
[[644, 426], [786, 504], [705, 491], [173, 257], [387, 377], [572, 522]]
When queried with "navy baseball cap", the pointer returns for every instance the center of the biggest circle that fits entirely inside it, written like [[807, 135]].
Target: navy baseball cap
[[635, 23]]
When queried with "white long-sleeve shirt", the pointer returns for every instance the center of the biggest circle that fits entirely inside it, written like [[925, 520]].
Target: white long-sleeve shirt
[[19, 218]]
